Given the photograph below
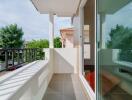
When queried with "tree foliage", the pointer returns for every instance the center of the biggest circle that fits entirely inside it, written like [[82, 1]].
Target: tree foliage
[[11, 36], [38, 44], [120, 38], [44, 43], [57, 42]]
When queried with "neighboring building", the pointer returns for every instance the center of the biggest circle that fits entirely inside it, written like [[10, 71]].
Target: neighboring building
[[67, 37]]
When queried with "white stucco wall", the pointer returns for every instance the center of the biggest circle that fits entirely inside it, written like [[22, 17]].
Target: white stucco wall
[[62, 60], [65, 60]]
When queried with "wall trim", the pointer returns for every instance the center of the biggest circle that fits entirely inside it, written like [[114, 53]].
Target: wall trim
[[88, 90]]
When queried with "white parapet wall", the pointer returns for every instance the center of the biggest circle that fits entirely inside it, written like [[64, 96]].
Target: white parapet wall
[[63, 60], [26, 83], [108, 56]]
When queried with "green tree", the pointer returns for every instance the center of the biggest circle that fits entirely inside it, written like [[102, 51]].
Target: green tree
[[44, 43], [11, 36], [38, 44], [120, 38], [57, 42]]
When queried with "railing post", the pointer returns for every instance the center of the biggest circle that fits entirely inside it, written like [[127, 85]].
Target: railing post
[[22, 55], [35, 55], [12, 57], [6, 59], [26, 55], [30, 56], [40, 54], [18, 57]]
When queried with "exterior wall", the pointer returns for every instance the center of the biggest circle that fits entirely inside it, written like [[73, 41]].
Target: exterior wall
[[65, 60]]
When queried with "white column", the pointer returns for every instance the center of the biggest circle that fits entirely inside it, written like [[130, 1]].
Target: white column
[[81, 27], [51, 30], [102, 30]]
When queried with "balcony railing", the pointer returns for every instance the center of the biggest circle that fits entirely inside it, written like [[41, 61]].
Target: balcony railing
[[11, 59]]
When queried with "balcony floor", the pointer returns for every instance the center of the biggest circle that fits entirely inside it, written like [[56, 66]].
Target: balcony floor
[[64, 87]]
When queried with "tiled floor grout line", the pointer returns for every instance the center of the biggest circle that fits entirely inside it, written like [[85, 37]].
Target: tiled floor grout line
[[66, 90]]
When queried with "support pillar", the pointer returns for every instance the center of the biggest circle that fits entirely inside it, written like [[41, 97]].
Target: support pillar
[[102, 31], [51, 31]]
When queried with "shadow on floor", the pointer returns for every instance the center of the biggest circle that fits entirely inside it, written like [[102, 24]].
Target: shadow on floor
[[64, 87], [60, 88]]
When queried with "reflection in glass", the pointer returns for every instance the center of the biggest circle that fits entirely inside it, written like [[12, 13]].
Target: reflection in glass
[[89, 43], [114, 50], [86, 34]]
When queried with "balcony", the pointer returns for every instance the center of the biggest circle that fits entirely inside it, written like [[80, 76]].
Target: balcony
[[55, 78], [60, 76]]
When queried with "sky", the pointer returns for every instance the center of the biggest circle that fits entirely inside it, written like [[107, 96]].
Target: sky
[[34, 24], [121, 17]]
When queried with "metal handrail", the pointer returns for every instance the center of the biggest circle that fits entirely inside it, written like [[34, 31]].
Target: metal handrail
[[16, 57]]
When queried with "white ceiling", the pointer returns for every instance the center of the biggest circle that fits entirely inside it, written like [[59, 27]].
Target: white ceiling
[[111, 6], [60, 7]]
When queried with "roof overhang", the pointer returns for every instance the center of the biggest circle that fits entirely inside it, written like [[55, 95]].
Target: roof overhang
[[63, 8], [111, 6]]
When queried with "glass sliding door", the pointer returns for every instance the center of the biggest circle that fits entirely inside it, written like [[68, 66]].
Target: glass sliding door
[[114, 49]]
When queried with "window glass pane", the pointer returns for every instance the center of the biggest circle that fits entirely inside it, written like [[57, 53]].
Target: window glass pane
[[86, 51], [86, 34], [114, 50]]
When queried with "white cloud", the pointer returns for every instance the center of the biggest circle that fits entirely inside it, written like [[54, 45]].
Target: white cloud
[[23, 13]]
